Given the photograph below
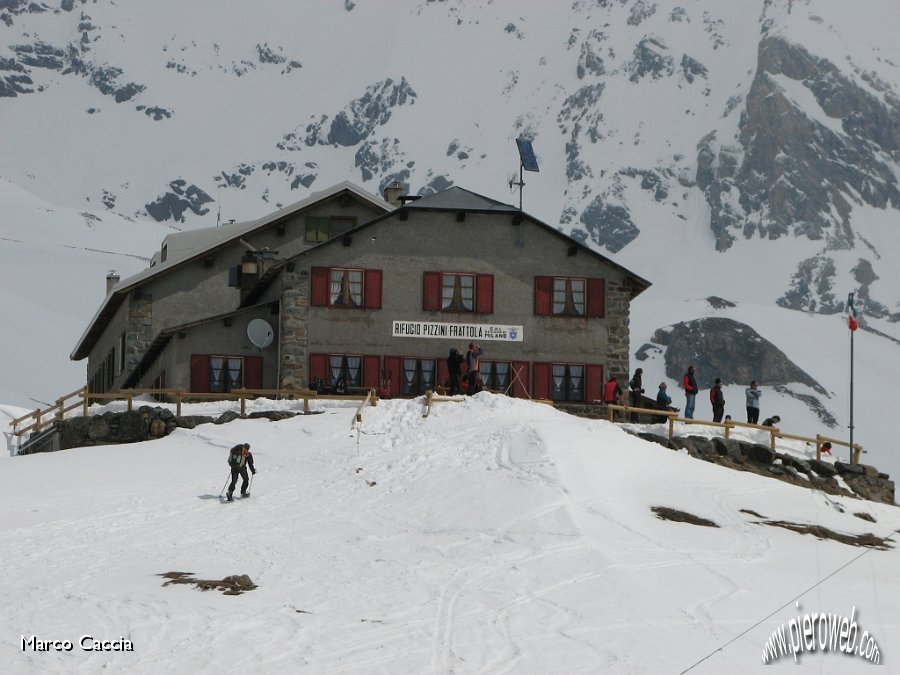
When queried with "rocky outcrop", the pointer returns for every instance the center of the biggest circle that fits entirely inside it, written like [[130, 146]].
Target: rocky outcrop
[[864, 481], [733, 351], [359, 118], [798, 171], [181, 196]]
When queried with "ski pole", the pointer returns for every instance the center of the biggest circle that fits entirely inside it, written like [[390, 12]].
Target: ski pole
[[225, 486], [250, 482]]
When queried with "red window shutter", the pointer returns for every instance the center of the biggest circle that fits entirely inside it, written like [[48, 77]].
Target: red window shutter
[[392, 374], [318, 367], [541, 380], [372, 289], [443, 372], [252, 372], [371, 372], [431, 291], [543, 296], [319, 287], [520, 379], [596, 298], [593, 383], [484, 293], [200, 373]]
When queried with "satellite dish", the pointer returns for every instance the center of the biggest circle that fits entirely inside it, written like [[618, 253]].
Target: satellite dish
[[260, 333]]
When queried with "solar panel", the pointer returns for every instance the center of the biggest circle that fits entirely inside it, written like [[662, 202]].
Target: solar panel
[[526, 155]]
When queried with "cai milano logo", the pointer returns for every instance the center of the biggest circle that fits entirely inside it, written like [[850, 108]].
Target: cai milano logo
[[821, 632]]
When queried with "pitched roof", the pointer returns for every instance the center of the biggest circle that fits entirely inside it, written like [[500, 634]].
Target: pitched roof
[[184, 247], [457, 198], [454, 199]]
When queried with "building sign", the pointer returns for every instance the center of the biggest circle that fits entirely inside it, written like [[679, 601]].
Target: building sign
[[452, 331]]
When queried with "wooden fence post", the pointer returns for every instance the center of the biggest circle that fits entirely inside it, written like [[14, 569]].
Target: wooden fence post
[[178, 395], [85, 394], [671, 427], [243, 403]]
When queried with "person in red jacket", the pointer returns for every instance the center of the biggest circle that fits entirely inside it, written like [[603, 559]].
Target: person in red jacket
[[612, 391], [689, 382]]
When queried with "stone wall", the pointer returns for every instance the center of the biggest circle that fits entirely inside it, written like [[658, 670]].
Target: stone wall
[[294, 328], [145, 423], [618, 307]]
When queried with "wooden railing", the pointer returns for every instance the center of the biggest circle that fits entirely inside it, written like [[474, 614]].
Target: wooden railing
[[82, 398], [774, 432]]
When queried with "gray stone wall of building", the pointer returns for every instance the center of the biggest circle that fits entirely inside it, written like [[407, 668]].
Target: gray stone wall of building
[[481, 244], [199, 288], [226, 336], [618, 311], [294, 323]]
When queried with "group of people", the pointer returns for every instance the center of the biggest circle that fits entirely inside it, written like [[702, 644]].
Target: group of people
[[614, 393], [717, 400], [472, 360]]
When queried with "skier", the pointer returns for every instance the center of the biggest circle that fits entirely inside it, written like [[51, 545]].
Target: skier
[[239, 458]]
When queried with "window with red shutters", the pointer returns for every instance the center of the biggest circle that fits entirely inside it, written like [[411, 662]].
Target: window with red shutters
[[458, 292], [348, 288], [570, 296]]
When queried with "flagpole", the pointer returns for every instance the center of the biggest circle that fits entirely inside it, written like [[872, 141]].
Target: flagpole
[[850, 306]]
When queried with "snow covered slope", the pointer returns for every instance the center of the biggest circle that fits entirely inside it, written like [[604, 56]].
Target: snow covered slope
[[494, 536]]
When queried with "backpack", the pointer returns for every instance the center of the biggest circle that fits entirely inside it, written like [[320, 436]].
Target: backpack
[[234, 459]]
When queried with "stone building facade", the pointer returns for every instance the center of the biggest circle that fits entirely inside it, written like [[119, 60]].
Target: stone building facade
[[379, 303]]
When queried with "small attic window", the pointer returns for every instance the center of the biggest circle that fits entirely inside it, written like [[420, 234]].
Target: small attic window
[[163, 253]]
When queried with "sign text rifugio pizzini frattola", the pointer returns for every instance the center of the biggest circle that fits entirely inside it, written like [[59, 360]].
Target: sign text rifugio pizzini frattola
[[467, 331]]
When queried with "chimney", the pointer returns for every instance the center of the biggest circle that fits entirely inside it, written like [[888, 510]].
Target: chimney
[[392, 193], [111, 280]]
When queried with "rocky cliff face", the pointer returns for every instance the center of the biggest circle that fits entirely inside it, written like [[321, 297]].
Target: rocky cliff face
[[799, 172]]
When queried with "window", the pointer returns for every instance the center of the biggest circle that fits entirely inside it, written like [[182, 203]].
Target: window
[[348, 288], [221, 373], [225, 373], [418, 376], [357, 371], [567, 382], [458, 292], [348, 367], [323, 228], [569, 296], [495, 375]]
